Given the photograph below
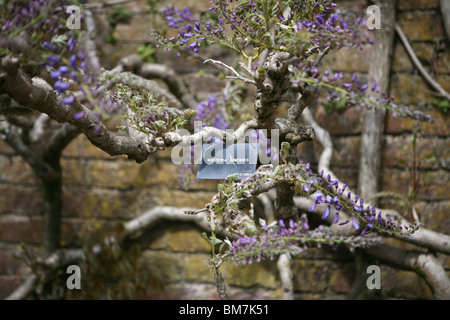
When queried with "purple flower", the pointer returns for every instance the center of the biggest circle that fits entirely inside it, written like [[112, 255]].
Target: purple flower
[[49, 46], [68, 100], [326, 213], [185, 14], [71, 43], [374, 85], [336, 217], [329, 198], [79, 115], [318, 197], [197, 27], [55, 74], [52, 60], [355, 224], [334, 18], [64, 69], [313, 207], [73, 61], [61, 86], [305, 187]]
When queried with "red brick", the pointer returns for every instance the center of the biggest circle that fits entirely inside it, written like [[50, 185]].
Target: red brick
[[441, 126], [421, 25], [398, 152], [346, 151], [16, 170], [8, 285], [16, 229], [9, 265], [24, 200], [417, 4], [5, 149], [339, 123]]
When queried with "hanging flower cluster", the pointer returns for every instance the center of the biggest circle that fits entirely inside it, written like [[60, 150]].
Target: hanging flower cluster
[[292, 237], [325, 191]]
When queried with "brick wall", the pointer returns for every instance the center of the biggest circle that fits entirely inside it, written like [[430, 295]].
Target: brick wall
[[100, 191]]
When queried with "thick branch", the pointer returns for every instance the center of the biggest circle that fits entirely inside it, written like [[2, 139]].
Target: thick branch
[[133, 63], [423, 237], [425, 265], [445, 11], [132, 229], [373, 120], [38, 95], [39, 166], [287, 286], [59, 140]]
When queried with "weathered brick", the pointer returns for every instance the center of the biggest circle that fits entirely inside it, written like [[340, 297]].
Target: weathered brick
[[155, 172], [394, 180], [434, 185], [348, 59], [178, 238], [97, 203], [16, 170], [167, 267], [196, 268], [417, 4], [72, 171], [112, 174], [435, 61], [5, 149], [340, 123], [427, 30], [9, 264], [18, 229], [310, 275], [346, 151], [179, 198], [341, 280], [7, 285], [81, 147], [409, 89], [398, 152], [403, 284], [402, 62], [187, 240], [440, 128], [21, 200], [434, 215], [263, 274]]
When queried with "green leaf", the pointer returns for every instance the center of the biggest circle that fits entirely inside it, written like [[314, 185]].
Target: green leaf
[[228, 242], [285, 149], [213, 240], [262, 222], [160, 124]]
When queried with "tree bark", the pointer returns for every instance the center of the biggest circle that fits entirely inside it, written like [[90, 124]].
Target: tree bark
[[445, 11], [373, 120]]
